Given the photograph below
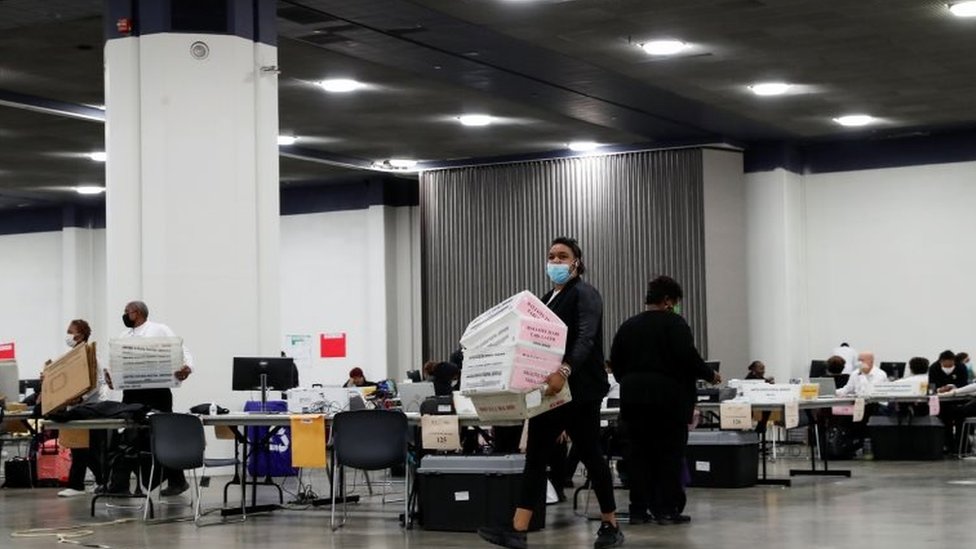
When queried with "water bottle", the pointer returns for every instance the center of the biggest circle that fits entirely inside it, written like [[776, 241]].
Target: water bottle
[[213, 408]]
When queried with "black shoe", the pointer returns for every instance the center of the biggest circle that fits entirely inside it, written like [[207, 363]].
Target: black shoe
[[503, 537], [673, 519], [640, 516], [608, 536], [171, 490]]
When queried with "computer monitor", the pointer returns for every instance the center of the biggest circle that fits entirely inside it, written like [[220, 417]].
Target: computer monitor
[[412, 395], [818, 368], [32, 384], [895, 370], [414, 376], [9, 381], [280, 373], [713, 364]]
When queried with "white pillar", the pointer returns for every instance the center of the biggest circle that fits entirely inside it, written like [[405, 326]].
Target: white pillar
[[192, 193]]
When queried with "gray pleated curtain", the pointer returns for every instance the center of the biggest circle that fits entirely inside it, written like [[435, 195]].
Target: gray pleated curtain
[[486, 231]]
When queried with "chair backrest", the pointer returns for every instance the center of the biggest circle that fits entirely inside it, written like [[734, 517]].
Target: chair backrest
[[177, 440], [370, 439]]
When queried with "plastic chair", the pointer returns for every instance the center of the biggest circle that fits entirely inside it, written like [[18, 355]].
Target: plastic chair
[[177, 441], [966, 430], [370, 440]]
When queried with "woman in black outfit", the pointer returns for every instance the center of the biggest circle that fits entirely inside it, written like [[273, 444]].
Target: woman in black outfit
[[580, 306], [654, 358]]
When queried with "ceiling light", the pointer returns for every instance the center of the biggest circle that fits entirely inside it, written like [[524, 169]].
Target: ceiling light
[[89, 189], [963, 9], [855, 120], [583, 146], [770, 88], [664, 47], [287, 140], [475, 119], [98, 156], [340, 85], [401, 163]]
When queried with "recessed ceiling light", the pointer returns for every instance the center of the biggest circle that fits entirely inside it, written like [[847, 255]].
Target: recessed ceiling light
[[98, 156], [770, 88], [89, 189], [963, 9], [855, 120], [401, 163], [341, 85], [475, 119], [583, 146], [287, 140], [664, 47]]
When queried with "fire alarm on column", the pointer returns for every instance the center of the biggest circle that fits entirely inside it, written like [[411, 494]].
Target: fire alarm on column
[[124, 25]]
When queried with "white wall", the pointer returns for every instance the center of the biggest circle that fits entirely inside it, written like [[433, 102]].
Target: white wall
[[356, 272], [725, 260], [31, 313], [891, 260]]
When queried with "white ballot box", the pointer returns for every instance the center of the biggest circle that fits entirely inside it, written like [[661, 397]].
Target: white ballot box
[[508, 368], [145, 362], [507, 406], [520, 319]]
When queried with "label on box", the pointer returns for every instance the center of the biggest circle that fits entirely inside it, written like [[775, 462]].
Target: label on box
[[791, 414], [858, 409], [462, 496], [705, 466], [440, 432], [809, 391], [735, 415]]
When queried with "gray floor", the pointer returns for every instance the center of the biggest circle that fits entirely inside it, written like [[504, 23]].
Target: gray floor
[[886, 504]]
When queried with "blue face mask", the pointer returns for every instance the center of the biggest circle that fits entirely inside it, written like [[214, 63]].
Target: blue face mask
[[558, 272]]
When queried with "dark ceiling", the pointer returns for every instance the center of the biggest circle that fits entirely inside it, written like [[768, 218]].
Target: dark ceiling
[[552, 71]]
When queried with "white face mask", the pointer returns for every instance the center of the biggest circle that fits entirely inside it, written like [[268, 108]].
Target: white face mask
[[69, 340], [948, 370]]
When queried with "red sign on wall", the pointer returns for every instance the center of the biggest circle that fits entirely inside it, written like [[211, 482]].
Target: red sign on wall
[[7, 351], [332, 345]]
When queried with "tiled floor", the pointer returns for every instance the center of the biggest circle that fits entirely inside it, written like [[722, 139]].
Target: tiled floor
[[891, 505]]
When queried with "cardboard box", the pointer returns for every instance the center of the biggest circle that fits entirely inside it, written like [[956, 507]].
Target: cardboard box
[[521, 318], [517, 368], [68, 378], [508, 406]]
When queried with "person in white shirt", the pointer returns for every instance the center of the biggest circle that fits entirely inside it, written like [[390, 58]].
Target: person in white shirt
[[919, 369], [862, 382], [137, 323], [849, 355]]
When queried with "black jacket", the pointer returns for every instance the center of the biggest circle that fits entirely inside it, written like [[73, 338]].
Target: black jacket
[[653, 356], [580, 306], [937, 378]]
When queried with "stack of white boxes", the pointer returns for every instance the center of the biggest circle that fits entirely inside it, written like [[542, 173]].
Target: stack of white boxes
[[509, 351]]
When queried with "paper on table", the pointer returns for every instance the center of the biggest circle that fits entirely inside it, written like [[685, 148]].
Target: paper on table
[[791, 414]]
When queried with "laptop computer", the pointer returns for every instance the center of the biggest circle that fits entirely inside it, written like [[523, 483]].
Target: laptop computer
[[828, 386], [412, 395]]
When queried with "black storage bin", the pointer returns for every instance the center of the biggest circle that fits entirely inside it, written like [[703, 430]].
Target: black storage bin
[[919, 438], [462, 493], [723, 459]]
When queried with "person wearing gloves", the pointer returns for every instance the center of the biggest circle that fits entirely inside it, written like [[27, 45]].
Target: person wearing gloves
[[580, 307]]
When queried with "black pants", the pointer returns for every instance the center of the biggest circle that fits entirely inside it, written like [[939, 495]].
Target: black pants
[[83, 459], [658, 435], [160, 400], [581, 420]]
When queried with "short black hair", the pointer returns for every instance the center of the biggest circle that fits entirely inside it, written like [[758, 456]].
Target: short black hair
[[835, 365], [662, 288], [918, 365], [753, 365], [947, 355], [574, 247], [961, 357]]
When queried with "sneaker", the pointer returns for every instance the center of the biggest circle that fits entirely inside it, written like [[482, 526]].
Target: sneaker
[[503, 537], [608, 536], [70, 493], [171, 490], [673, 519], [640, 516]]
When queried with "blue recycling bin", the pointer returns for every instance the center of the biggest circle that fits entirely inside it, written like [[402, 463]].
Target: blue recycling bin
[[271, 457]]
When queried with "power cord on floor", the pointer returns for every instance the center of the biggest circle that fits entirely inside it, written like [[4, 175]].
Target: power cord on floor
[[71, 534]]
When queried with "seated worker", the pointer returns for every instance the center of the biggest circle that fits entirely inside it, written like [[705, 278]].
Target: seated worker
[[918, 368], [862, 381], [963, 358], [445, 376], [944, 376], [757, 370], [358, 379]]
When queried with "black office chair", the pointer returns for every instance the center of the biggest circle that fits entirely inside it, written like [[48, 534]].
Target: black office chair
[[370, 440], [177, 441]]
